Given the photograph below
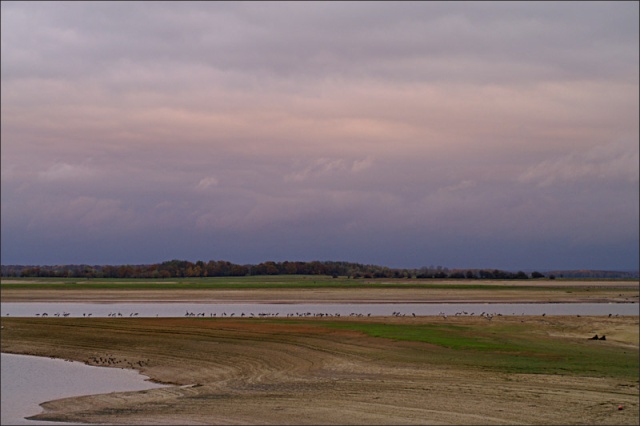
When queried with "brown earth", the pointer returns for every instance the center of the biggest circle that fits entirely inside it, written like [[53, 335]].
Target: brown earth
[[253, 371], [545, 291]]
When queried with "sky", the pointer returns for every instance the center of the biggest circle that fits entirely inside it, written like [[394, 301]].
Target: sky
[[405, 134]]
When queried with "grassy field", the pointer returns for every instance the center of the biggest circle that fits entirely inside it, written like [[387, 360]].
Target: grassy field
[[295, 288], [301, 281], [508, 347]]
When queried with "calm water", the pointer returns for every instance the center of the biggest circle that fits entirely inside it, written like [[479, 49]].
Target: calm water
[[126, 310], [28, 381]]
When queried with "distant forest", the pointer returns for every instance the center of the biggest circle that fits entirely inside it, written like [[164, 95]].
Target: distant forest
[[220, 268]]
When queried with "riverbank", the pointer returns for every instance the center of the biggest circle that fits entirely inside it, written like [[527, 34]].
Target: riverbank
[[392, 370]]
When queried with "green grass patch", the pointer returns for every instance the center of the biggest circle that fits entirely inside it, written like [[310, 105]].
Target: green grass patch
[[507, 348]]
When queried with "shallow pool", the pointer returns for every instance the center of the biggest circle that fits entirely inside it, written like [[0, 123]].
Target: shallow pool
[[28, 381]]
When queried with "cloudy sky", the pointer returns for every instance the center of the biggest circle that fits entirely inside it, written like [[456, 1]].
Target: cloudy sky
[[471, 135]]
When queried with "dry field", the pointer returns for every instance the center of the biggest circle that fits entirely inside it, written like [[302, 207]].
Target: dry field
[[395, 370]]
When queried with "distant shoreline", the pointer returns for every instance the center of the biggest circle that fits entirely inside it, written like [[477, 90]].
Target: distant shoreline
[[260, 290]]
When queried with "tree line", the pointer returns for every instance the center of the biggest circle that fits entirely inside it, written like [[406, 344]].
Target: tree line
[[221, 268]]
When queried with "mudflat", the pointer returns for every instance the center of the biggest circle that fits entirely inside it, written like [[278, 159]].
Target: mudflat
[[300, 291], [350, 370]]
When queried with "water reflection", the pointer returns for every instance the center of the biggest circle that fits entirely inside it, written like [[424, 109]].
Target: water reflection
[[28, 381], [258, 310]]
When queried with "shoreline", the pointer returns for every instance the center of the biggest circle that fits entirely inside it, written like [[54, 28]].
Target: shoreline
[[284, 372], [50, 379]]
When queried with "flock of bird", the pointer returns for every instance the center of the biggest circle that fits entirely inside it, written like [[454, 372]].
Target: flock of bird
[[66, 314], [269, 314], [57, 314], [111, 360], [486, 315], [233, 314]]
